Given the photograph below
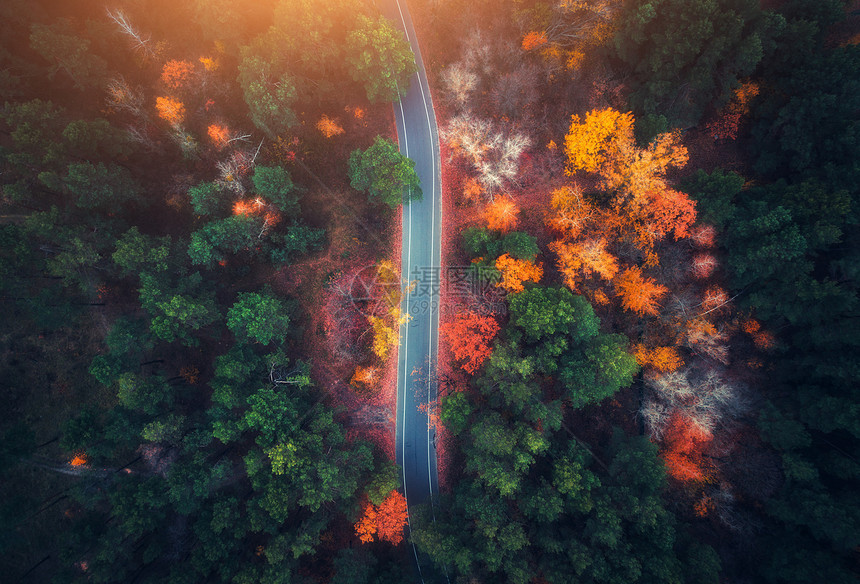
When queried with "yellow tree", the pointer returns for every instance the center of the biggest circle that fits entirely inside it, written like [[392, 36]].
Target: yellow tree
[[662, 359], [584, 259], [329, 127], [502, 214], [170, 110], [572, 211], [515, 272], [603, 143], [635, 171], [639, 293], [592, 143], [385, 336]]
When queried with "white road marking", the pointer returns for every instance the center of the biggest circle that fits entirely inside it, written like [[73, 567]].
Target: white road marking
[[406, 342], [433, 225], [435, 162]]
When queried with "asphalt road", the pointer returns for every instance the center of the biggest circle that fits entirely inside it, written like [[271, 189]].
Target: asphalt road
[[419, 338]]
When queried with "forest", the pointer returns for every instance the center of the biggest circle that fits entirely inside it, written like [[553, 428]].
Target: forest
[[648, 370]]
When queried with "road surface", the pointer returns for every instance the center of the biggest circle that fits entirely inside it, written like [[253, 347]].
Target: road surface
[[419, 338]]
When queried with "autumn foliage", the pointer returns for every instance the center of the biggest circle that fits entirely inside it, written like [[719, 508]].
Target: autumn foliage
[[583, 260], [386, 521], [329, 127], [604, 143], [704, 236], [639, 293], [668, 211], [502, 214], [533, 40], [365, 527], [209, 63], [80, 459], [385, 336], [391, 518], [170, 110], [598, 140], [643, 209], [248, 207], [575, 27], [469, 336], [684, 446], [704, 265], [662, 359], [726, 126], [714, 298], [220, 135], [176, 74], [365, 379], [514, 272], [572, 211]]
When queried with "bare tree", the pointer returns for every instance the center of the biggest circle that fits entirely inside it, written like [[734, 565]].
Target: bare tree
[[655, 414], [459, 83], [185, 140], [140, 136], [122, 97], [231, 171], [515, 94], [494, 156], [138, 41]]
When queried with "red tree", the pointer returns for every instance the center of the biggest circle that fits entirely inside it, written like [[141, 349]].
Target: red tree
[[177, 73], [469, 336], [714, 298], [704, 236], [670, 211], [391, 518], [704, 265], [684, 445], [365, 527]]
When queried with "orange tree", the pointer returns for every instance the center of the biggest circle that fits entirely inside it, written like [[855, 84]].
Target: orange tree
[[469, 336]]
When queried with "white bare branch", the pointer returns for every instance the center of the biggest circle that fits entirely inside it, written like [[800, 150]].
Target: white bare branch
[[138, 41]]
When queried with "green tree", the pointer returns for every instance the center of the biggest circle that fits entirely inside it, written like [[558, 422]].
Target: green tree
[[59, 45], [269, 96], [96, 139], [546, 311], [233, 234], [136, 252], [300, 461], [765, 241], [600, 370], [386, 478], [276, 186], [687, 55], [258, 317], [715, 194], [501, 451], [385, 174], [33, 127], [143, 393], [296, 241], [209, 199], [380, 58], [109, 187], [806, 123], [177, 309]]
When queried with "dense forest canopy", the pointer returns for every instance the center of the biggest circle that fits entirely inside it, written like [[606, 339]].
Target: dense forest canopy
[[648, 374]]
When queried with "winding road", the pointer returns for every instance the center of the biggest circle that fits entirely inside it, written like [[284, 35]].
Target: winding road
[[419, 338]]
